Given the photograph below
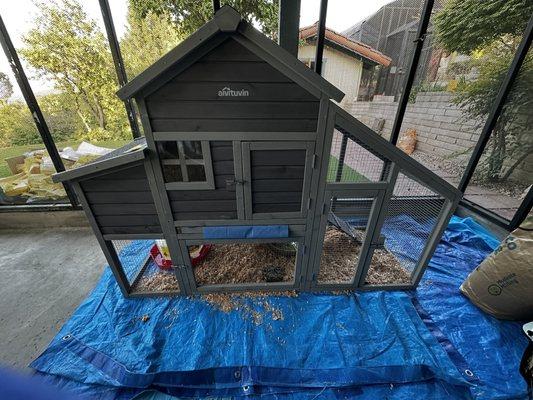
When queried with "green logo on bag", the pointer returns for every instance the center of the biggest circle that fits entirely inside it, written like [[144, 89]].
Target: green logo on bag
[[495, 290]]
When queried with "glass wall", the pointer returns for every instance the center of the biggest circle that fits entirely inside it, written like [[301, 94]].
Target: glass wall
[[505, 171], [456, 83], [65, 56], [368, 52]]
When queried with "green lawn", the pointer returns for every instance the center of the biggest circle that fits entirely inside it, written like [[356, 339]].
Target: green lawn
[[348, 174], [8, 152]]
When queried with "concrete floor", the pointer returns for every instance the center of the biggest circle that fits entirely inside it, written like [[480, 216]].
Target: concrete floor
[[45, 275]]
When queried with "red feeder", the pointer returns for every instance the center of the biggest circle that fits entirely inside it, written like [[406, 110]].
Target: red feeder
[[196, 256]]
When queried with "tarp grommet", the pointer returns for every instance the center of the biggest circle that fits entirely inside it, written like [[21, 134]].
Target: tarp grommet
[[66, 337], [469, 373]]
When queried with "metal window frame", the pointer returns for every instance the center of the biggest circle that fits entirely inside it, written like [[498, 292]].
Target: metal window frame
[[118, 61]]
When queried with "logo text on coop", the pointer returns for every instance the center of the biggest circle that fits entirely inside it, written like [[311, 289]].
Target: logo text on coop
[[228, 92]]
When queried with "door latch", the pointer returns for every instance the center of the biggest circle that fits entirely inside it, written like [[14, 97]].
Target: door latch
[[231, 183]]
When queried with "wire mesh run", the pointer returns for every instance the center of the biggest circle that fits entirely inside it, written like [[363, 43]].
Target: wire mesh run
[[144, 274], [411, 217], [352, 161], [343, 239], [244, 263]]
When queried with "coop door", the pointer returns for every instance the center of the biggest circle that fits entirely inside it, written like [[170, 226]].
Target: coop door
[[276, 179], [348, 233]]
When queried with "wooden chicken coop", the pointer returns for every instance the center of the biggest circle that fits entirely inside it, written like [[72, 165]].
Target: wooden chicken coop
[[239, 172]]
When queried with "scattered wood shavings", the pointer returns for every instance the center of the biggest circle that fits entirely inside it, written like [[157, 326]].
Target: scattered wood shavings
[[159, 281], [340, 256]]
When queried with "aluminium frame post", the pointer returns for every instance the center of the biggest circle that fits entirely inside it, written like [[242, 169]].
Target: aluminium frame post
[[288, 25], [497, 105], [216, 6], [33, 105], [320, 36], [413, 66], [119, 64], [409, 79], [523, 210]]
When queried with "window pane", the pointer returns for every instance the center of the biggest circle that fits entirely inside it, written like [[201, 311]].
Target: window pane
[[196, 173], [368, 49], [192, 150], [456, 83], [505, 170], [168, 150], [172, 173], [76, 96]]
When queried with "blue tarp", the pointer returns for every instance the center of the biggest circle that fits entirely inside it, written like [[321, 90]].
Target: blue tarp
[[431, 343]]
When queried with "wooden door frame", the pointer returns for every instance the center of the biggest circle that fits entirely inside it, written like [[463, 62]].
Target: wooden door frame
[[247, 147], [375, 190]]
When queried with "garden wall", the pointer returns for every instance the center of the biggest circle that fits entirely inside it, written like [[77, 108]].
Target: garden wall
[[440, 126]]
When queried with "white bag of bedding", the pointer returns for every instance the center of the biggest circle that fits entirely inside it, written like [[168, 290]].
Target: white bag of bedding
[[502, 285]]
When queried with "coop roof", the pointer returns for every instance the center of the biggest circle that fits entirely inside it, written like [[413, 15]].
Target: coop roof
[[352, 47], [228, 21], [130, 153]]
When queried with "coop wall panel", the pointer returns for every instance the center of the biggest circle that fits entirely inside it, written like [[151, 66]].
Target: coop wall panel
[[121, 202], [219, 203], [231, 89]]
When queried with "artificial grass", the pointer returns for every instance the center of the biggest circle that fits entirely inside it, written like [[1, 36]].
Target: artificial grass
[[348, 174]]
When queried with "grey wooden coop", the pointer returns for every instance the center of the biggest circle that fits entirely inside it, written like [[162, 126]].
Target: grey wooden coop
[[247, 156]]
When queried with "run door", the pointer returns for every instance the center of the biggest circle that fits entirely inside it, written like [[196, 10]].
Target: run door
[[347, 235]]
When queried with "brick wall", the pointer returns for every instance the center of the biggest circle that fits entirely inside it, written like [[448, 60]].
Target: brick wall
[[440, 126]]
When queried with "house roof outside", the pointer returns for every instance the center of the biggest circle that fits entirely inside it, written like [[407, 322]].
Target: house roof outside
[[352, 46]]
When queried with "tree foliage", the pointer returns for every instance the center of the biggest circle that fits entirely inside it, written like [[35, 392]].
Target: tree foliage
[[146, 40], [490, 32], [188, 15], [68, 48], [6, 88]]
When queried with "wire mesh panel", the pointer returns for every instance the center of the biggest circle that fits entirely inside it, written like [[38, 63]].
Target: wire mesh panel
[[352, 161], [410, 218], [343, 238], [145, 266], [244, 263]]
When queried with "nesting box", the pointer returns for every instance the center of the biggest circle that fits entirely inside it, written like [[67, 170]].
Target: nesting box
[[248, 162]]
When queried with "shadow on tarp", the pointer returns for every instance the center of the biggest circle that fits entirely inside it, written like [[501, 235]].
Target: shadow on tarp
[[430, 344]]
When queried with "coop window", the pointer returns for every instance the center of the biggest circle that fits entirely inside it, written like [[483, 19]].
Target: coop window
[[186, 164]]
